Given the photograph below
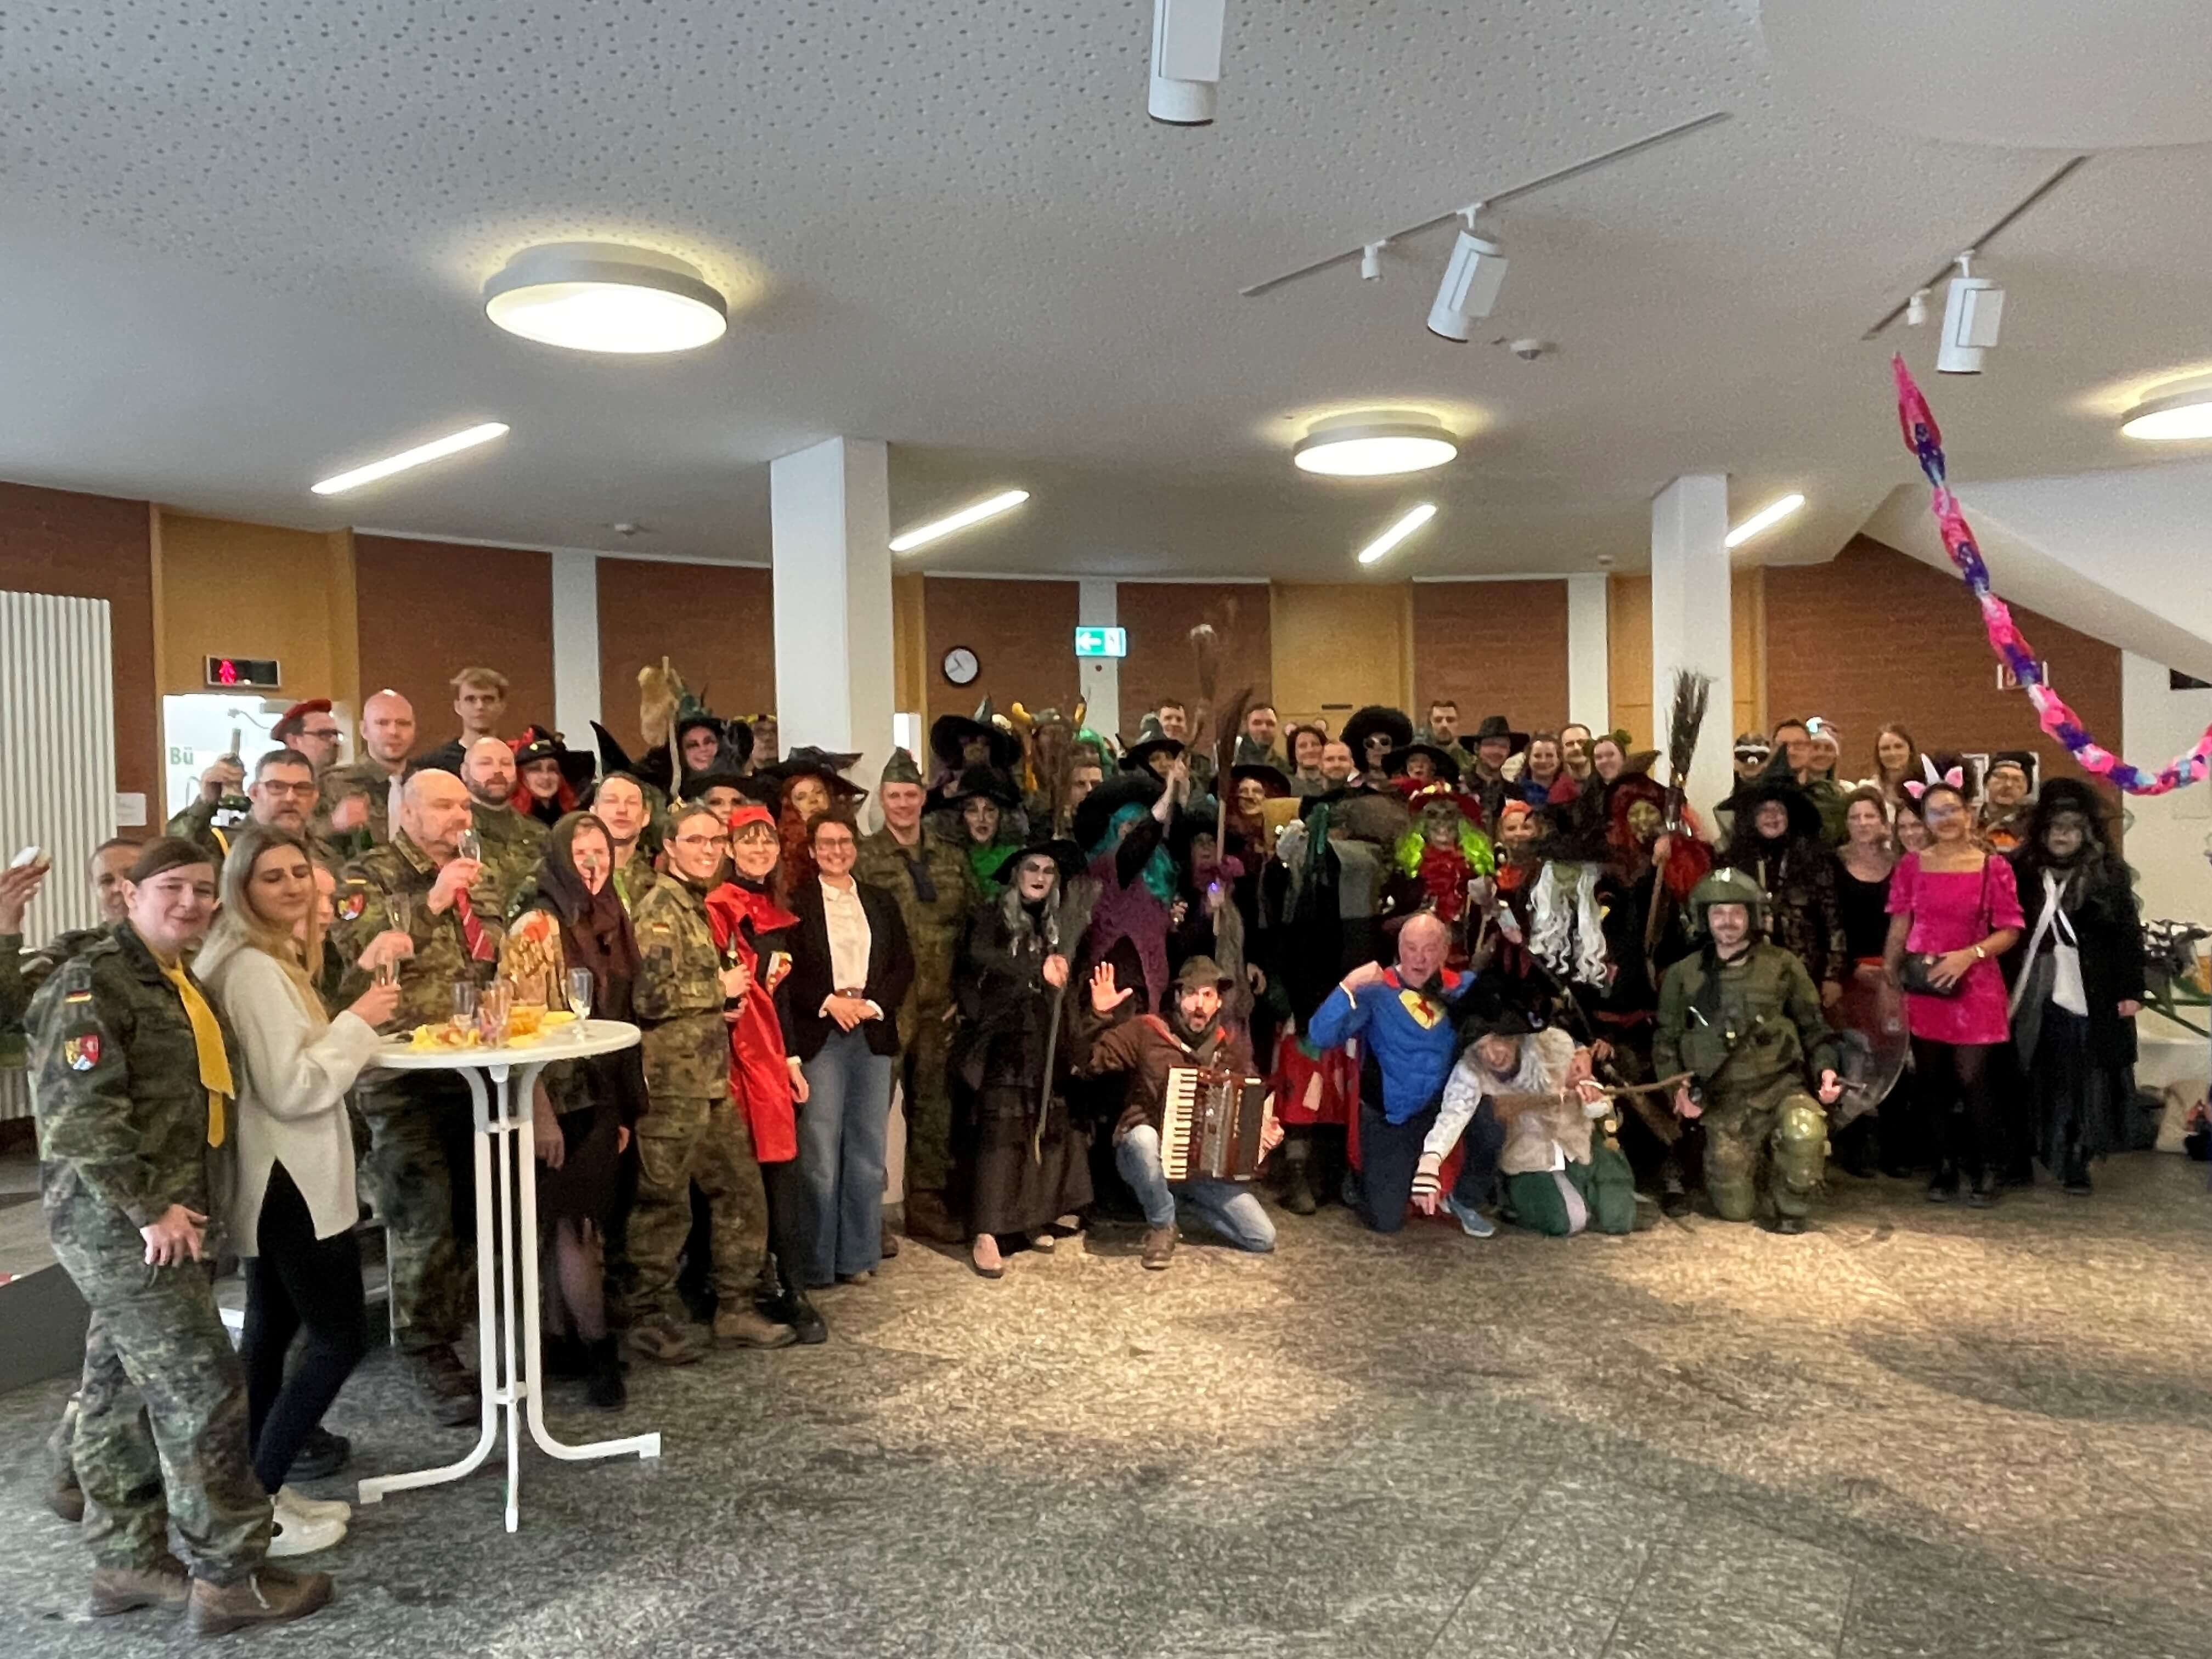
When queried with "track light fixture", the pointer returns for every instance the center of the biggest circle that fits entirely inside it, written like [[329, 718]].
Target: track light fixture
[[1473, 276], [1370, 261], [1186, 61], [1973, 309]]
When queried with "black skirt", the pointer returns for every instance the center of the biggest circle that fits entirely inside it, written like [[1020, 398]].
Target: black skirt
[[1008, 1190], [2079, 1100], [586, 1186]]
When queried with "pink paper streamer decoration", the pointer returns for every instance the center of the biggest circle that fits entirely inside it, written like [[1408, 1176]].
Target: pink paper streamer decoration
[[1926, 443]]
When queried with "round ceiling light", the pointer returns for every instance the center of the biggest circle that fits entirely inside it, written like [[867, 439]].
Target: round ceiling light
[[2174, 414], [597, 296], [1374, 446]]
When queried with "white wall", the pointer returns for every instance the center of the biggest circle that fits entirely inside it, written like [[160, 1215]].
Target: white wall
[[2166, 834]]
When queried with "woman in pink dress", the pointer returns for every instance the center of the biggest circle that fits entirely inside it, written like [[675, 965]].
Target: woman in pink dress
[[1955, 908]]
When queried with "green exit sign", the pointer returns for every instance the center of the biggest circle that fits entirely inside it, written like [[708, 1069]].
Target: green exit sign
[[1102, 641]]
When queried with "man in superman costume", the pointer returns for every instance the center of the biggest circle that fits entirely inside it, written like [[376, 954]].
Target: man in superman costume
[[765, 1082], [1403, 1015]]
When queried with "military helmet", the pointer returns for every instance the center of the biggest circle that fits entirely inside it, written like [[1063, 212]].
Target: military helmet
[[1726, 887]]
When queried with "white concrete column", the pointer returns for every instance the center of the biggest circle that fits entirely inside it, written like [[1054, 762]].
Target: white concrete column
[[1098, 605], [830, 512], [1590, 666], [1690, 626], [575, 645]]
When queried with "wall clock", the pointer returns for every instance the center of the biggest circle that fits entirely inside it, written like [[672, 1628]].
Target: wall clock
[[961, 667]]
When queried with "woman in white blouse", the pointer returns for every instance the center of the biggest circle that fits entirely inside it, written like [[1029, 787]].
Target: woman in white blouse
[[293, 1211]]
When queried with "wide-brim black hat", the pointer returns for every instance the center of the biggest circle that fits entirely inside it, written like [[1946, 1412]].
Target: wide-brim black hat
[[1804, 815], [1376, 717], [986, 783], [1446, 764], [1097, 810], [807, 761], [2070, 795], [949, 733], [652, 769], [1493, 727], [1269, 778], [537, 743], [1492, 1012], [722, 774], [1061, 851], [1138, 757]]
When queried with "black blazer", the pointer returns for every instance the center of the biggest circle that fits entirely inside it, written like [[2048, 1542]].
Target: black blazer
[[891, 969]]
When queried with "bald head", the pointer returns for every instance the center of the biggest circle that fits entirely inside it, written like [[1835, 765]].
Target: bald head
[[433, 811], [487, 769], [1422, 943], [387, 727]]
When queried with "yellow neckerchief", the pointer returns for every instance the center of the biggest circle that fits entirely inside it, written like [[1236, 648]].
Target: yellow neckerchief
[[207, 1038]]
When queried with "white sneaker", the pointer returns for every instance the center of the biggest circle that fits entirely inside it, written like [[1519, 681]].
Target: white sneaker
[[293, 1534], [314, 1509]]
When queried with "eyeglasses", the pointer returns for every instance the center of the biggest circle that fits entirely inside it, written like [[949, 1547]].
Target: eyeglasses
[[319, 732], [833, 843], [273, 787], [698, 841]]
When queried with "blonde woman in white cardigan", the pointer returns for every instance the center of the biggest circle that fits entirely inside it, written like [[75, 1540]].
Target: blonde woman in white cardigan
[[293, 1211]]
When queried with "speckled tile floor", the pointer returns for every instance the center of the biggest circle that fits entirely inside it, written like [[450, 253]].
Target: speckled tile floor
[[1916, 1432]]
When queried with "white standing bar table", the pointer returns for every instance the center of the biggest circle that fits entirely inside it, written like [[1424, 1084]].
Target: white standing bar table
[[506, 1232]]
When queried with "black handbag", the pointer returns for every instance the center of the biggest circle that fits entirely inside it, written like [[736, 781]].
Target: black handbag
[[1914, 972]]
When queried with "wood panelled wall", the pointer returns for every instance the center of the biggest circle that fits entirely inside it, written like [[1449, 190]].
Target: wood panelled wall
[[1494, 648], [232, 589], [1159, 617], [95, 547], [1874, 636], [430, 609], [1337, 647], [716, 623], [1022, 633]]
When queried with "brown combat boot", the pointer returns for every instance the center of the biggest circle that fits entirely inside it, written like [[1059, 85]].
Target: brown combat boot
[[66, 1499], [125, 1589], [744, 1326], [666, 1342], [268, 1596], [1159, 1247]]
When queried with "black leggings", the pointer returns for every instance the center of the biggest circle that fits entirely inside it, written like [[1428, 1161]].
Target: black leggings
[[298, 1280], [1958, 1075]]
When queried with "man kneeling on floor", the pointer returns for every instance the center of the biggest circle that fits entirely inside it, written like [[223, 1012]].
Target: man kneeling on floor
[[1404, 1013], [1743, 1019], [1530, 1077], [1146, 1048]]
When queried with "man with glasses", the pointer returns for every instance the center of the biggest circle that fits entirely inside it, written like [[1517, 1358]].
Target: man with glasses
[[283, 794]]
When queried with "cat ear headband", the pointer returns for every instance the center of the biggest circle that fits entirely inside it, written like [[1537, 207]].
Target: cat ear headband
[[1953, 779]]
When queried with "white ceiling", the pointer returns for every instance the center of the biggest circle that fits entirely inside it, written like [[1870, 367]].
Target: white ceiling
[[242, 246]]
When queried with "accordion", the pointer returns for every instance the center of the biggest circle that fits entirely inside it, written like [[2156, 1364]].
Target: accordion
[[1210, 1124]]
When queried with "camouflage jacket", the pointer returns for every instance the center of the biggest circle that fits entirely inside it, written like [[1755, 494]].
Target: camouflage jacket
[[1765, 1024], [678, 994], [367, 778], [513, 847], [634, 880], [22, 972], [936, 926], [196, 824], [441, 946], [123, 1117]]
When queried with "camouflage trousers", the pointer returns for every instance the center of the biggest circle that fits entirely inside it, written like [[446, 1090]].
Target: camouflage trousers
[[925, 1084], [682, 1141], [160, 1433], [420, 1129], [60, 1451], [1774, 1138]]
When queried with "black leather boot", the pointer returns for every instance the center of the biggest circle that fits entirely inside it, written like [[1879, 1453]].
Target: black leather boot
[[1943, 1185]]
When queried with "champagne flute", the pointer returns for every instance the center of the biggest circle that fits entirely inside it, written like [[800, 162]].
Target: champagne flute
[[400, 917], [469, 847], [579, 1000], [464, 1005]]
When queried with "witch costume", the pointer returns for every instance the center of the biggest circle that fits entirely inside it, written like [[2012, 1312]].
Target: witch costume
[[1018, 1162], [2083, 958], [1796, 872]]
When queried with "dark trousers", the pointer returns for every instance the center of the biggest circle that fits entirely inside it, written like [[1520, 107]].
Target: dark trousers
[[298, 1282], [790, 1221], [1390, 1152]]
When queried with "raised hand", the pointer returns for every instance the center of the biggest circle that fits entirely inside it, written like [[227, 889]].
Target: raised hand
[[1104, 997]]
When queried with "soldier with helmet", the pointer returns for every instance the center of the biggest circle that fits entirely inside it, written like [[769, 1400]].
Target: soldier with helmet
[[1743, 1019]]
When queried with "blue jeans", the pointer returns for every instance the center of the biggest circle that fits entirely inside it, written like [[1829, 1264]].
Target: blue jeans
[[841, 1130], [1227, 1207], [1390, 1154]]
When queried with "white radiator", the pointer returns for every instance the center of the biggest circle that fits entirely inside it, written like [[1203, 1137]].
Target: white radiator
[[57, 760]]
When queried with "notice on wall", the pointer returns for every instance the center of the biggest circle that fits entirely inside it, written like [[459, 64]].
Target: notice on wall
[[129, 810]]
